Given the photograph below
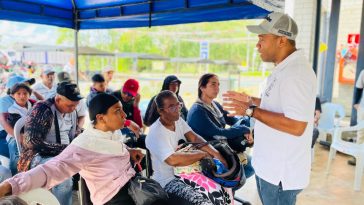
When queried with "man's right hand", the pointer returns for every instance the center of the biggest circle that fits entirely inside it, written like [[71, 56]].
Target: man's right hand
[[5, 189], [134, 128], [356, 106], [249, 138]]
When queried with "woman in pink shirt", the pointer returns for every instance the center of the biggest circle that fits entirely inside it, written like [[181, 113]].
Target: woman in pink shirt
[[97, 154]]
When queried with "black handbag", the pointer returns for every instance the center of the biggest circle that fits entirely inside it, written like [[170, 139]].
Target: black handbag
[[145, 191]]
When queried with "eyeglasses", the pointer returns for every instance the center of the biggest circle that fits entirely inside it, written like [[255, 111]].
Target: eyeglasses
[[174, 108]]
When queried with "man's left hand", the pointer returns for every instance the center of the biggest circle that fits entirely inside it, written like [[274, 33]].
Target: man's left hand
[[235, 107]]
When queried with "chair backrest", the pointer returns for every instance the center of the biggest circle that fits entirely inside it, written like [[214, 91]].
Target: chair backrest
[[18, 137], [39, 196], [148, 164], [84, 193], [328, 119]]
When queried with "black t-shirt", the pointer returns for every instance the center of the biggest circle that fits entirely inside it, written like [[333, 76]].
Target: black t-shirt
[[128, 107]]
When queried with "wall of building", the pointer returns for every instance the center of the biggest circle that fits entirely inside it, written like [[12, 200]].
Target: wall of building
[[304, 12]]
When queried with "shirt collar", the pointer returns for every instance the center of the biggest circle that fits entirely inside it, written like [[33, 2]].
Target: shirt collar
[[292, 57], [104, 135]]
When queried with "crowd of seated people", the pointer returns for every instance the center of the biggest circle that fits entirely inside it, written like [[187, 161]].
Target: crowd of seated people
[[54, 149]]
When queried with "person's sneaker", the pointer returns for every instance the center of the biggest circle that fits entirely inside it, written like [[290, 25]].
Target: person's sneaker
[[352, 161]]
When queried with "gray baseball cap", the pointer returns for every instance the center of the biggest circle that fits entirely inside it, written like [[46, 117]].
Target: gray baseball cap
[[47, 70], [276, 23]]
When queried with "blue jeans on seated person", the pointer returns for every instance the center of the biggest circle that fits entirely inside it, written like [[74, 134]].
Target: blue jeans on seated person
[[62, 191], [14, 155], [248, 168], [4, 150], [4, 173], [271, 194]]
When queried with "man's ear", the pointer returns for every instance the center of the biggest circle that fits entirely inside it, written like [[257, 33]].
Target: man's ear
[[57, 98], [283, 41]]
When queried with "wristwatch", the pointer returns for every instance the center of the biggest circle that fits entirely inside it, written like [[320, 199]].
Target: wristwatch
[[249, 112]]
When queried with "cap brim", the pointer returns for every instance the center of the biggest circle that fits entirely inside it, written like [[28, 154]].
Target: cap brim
[[176, 81], [47, 73], [31, 81], [75, 98], [256, 29], [133, 93]]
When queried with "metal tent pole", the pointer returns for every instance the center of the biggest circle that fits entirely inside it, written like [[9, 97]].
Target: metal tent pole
[[328, 73], [317, 36], [76, 38], [76, 55]]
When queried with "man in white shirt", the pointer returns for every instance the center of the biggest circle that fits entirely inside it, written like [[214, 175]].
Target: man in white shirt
[[359, 106], [108, 73], [47, 88], [284, 113]]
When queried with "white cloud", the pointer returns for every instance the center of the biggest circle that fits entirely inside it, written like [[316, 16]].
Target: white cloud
[[14, 32]]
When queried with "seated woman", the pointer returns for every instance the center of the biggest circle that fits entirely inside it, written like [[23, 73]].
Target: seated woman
[[97, 154], [173, 84], [21, 93], [208, 119], [162, 141]]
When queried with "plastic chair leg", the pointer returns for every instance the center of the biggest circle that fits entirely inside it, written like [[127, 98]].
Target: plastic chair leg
[[331, 157], [243, 202], [358, 173]]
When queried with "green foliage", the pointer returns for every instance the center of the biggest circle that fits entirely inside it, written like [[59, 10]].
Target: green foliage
[[229, 40]]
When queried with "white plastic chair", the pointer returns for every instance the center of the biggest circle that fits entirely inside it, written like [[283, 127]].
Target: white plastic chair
[[18, 137], [350, 148], [39, 196], [5, 161], [329, 120]]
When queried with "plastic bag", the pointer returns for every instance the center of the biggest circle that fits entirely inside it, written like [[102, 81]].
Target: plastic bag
[[145, 191], [189, 169]]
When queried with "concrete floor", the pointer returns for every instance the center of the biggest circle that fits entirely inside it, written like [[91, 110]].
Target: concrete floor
[[335, 188]]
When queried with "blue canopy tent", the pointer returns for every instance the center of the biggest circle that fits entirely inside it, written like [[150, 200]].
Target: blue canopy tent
[[106, 14]]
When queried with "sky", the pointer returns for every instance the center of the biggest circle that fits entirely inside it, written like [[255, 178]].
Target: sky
[[14, 32]]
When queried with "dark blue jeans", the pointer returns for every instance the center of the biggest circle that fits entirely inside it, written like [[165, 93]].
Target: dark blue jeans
[[4, 150], [248, 168], [271, 194], [14, 155]]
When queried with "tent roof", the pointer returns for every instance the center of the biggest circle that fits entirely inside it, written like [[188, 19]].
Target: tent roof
[[97, 14]]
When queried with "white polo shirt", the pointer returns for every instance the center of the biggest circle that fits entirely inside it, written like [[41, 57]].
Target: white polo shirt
[[44, 90], [279, 156]]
